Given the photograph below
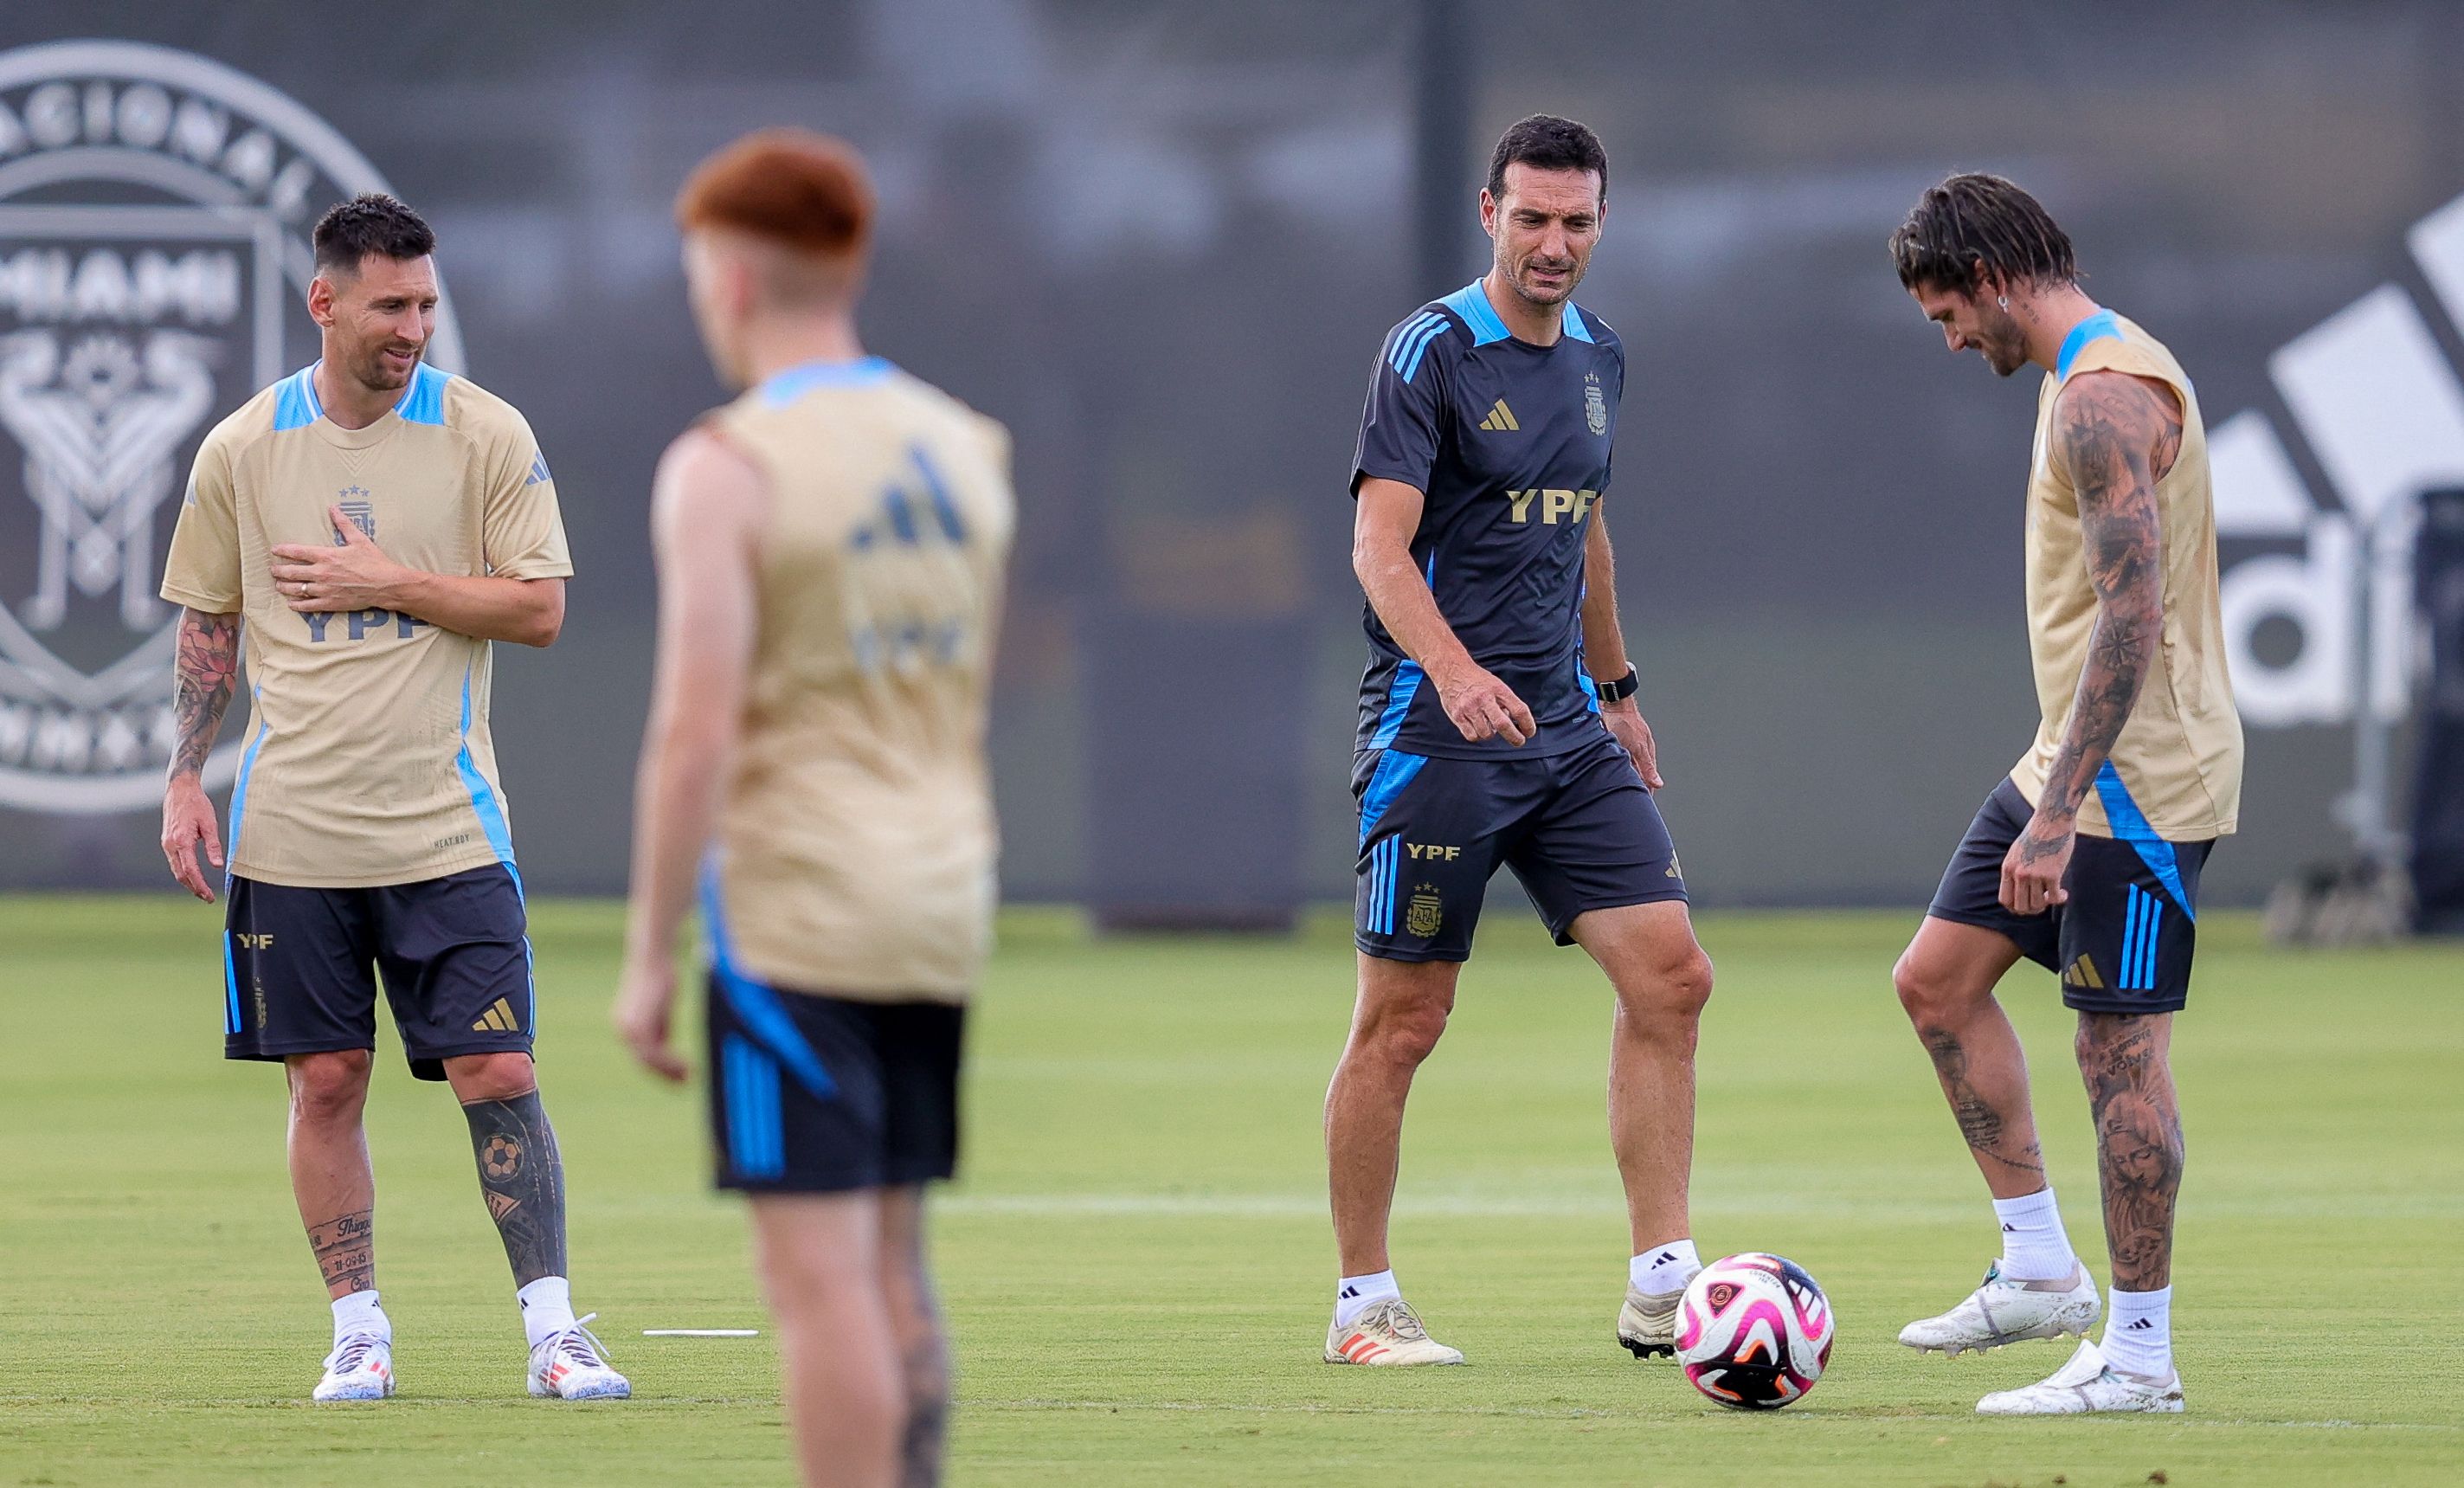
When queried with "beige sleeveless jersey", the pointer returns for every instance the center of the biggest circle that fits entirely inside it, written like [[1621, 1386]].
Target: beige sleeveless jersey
[[856, 845], [367, 758], [2175, 772]]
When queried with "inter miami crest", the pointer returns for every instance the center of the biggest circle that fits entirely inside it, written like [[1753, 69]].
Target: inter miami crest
[[154, 260]]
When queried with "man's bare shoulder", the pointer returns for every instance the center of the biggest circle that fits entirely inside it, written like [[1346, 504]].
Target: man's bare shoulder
[[2105, 419], [706, 481]]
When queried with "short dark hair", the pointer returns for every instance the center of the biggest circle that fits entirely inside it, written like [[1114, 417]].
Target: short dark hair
[[369, 223], [1974, 227], [1546, 142]]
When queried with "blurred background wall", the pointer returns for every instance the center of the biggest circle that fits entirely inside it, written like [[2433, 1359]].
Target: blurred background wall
[[1162, 243]]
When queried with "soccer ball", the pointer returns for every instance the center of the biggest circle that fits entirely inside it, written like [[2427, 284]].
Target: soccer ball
[[1753, 1331]]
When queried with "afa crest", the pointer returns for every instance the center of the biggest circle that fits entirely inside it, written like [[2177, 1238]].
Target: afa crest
[[154, 209], [1424, 912], [1595, 405]]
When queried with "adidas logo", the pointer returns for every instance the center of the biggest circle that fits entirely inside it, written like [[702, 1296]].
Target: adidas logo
[[1500, 419], [2381, 413], [1350, 1293], [2082, 973], [497, 1020], [1666, 1259], [2139, 1325]]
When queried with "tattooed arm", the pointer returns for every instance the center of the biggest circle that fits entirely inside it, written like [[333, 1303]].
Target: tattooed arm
[[2115, 435], [206, 664]]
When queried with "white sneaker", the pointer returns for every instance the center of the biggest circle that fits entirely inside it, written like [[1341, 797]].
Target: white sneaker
[[1387, 1333], [361, 1367], [2004, 1311], [1647, 1324], [569, 1366], [2085, 1385]]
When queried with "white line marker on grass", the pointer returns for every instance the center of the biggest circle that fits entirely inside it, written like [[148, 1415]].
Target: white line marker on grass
[[701, 1332]]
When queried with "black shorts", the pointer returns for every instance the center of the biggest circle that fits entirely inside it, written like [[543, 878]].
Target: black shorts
[[1578, 828], [300, 968], [812, 1094], [2123, 940]]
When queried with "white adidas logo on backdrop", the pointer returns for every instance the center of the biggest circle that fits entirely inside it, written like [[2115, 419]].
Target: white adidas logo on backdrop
[[2383, 414]]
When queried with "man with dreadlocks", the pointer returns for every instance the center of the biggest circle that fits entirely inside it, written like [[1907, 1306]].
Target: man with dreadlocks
[[2086, 858]]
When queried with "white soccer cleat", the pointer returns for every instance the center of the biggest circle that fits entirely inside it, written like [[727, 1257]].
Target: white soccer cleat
[[1387, 1333], [2086, 1384], [1647, 1324], [2004, 1311], [569, 1366], [361, 1367]]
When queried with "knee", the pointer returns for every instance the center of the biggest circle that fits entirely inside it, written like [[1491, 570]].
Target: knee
[[1929, 998], [1673, 994], [330, 1087], [491, 1076], [1404, 1033]]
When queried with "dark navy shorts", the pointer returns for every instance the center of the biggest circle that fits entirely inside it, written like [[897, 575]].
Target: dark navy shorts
[[813, 1094], [2123, 940], [300, 968], [1578, 828]]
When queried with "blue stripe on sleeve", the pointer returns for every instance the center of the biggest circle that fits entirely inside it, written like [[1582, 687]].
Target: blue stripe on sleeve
[[1398, 349], [1420, 348]]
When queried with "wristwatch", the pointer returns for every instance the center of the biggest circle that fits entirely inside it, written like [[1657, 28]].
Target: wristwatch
[[1620, 690]]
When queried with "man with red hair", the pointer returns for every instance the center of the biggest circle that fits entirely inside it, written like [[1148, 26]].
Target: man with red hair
[[831, 554]]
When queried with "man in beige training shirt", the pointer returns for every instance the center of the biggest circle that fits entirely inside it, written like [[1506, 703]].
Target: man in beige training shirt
[[831, 550], [377, 524], [2086, 859]]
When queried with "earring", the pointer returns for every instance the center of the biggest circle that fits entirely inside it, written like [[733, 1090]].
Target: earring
[[2004, 301]]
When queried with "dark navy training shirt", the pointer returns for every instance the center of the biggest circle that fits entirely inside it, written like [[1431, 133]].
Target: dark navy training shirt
[[1509, 443]]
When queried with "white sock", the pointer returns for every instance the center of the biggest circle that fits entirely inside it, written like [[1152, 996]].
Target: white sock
[[2034, 1246], [1664, 1269], [2139, 1332], [359, 1313], [1353, 1296], [547, 1308]]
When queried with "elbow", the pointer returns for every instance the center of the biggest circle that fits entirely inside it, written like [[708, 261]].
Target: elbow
[[1370, 559], [546, 620]]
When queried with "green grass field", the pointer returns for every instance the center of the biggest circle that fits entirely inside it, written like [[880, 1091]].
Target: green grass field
[[1138, 1266]]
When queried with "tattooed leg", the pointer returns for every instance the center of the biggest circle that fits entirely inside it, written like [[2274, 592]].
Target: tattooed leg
[[1946, 982], [330, 1176], [523, 1179], [923, 1349], [2124, 1061]]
